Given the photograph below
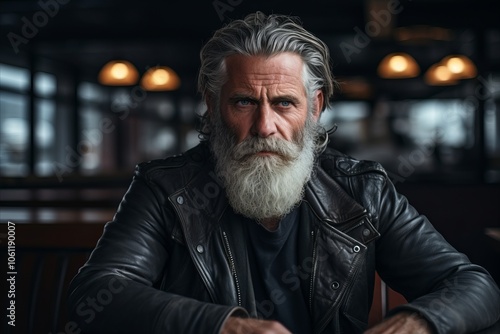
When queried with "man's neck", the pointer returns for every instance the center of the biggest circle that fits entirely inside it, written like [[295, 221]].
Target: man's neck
[[270, 224]]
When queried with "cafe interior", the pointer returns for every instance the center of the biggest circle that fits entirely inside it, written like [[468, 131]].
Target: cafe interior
[[91, 88]]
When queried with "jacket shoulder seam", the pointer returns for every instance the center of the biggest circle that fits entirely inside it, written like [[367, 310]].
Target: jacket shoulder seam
[[149, 167], [350, 166]]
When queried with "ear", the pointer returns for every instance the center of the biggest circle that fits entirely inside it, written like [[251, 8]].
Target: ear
[[318, 104]]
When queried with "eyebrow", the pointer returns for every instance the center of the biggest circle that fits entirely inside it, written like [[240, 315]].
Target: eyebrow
[[280, 98], [238, 97]]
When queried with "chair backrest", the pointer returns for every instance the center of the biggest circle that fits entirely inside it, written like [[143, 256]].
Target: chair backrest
[[384, 299], [47, 257]]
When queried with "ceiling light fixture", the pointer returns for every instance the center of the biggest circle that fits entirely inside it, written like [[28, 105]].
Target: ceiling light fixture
[[118, 73], [460, 66], [439, 75], [450, 70], [160, 78], [398, 66]]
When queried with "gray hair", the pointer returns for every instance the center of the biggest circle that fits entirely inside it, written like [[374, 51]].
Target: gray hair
[[259, 34]]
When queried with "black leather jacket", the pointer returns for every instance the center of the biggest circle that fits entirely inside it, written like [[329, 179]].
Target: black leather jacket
[[167, 263]]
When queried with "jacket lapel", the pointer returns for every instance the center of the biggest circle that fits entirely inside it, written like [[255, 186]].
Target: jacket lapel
[[334, 206], [341, 231]]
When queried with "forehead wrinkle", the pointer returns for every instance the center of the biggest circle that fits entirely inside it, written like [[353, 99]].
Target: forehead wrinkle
[[261, 92], [272, 85], [278, 78]]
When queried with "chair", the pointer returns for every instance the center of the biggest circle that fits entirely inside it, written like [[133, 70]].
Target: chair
[[47, 257]]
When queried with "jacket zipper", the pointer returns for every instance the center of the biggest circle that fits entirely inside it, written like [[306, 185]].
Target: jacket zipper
[[313, 272], [233, 267]]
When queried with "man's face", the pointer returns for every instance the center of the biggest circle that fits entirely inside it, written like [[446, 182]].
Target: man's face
[[265, 97], [263, 135]]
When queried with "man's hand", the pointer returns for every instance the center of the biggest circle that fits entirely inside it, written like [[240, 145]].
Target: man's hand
[[235, 325], [402, 323]]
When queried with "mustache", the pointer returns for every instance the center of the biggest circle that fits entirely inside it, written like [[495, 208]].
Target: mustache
[[287, 150]]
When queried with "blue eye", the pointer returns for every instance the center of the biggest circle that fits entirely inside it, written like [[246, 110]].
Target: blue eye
[[244, 102], [285, 103]]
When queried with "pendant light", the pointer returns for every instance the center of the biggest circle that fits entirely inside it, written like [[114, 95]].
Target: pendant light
[[439, 75], [460, 67], [398, 65], [160, 78], [118, 73], [450, 70]]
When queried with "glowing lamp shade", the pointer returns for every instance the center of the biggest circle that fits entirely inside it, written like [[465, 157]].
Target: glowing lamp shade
[[118, 73], [398, 66], [439, 75], [160, 78], [451, 69], [460, 67]]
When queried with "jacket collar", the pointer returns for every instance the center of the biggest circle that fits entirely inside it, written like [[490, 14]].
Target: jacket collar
[[201, 204], [329, 201], [202, 200]]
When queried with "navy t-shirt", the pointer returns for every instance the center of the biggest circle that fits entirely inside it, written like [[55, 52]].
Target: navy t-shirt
[[276, 274]]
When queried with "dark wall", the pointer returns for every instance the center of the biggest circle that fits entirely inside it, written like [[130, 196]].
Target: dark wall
[[461, 213]]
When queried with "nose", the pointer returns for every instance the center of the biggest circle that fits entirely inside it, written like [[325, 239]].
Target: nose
[[264, 124]]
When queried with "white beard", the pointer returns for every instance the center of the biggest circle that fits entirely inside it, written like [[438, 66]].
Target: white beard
[[262, 187]]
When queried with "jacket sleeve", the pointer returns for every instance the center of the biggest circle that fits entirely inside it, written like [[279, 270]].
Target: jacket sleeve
[[440, 283], [116, 290]]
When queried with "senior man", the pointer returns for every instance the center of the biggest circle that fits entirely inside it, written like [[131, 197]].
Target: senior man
[[264, 227]]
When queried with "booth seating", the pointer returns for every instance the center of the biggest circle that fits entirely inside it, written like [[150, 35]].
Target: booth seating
[[47, 257]]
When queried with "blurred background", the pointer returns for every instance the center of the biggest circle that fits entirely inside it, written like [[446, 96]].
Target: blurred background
[[72, 134], [90, 88]]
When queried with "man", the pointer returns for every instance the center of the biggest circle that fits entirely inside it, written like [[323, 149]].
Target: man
[[263, 227]]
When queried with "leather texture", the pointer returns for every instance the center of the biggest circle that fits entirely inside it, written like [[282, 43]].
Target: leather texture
[[168, 263]]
